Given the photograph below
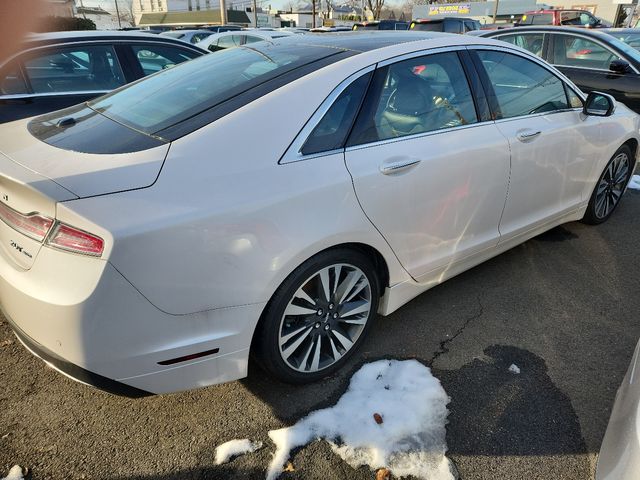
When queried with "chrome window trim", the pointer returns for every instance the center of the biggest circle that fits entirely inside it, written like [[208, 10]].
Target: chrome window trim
[[293, 153], [421, 53], [26, 96], [416, 136], [581, 35]]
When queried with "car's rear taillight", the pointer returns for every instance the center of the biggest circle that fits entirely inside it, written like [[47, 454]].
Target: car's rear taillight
[[32, 225], [66, 237]]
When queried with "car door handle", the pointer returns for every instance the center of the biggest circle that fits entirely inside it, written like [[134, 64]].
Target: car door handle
[[527, 135], [397, 166]]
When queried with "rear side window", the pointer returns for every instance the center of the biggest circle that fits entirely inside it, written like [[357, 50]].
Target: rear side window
[[532, 42], [153, 58], [180, 93], [522, 87], [332, 130], [418, 95], [11, 80], [74, 69]]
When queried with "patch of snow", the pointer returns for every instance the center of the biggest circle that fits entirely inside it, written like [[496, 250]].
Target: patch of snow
[[634, 182], [15, 473], [514, 368], [411, 438], [233, 448]]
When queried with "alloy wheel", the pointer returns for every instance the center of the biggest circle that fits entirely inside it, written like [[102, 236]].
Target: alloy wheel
[[612, 185], [324, 318]]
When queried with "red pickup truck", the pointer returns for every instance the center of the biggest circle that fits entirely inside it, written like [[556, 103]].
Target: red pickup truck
[[574, 18]]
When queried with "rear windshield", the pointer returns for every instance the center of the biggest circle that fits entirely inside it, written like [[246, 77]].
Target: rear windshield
[[179, 93], [375, 26], [428, 27]]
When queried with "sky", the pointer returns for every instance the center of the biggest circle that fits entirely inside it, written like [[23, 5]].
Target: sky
[[279, 4]]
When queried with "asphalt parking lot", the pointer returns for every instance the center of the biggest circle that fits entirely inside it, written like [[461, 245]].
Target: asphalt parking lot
[[563, 307]]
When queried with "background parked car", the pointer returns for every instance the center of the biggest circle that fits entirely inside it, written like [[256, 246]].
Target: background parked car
[[56, 70], [220, 41], [630, 36], [573, 18], [592, 59], [189, 36], [381, 25], [448, 24], [223, 28]]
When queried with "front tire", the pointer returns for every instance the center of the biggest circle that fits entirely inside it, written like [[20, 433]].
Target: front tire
[[318, 317], [610, 187]]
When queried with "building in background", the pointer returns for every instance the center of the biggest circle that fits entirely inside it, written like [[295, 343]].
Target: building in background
[[186, 12], [58, 8], [512, 10]]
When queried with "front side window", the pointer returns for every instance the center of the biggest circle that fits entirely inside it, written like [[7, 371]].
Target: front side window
[[74, 69], [574, 51], [522, 87], [154, 58], [414, 96], [532, 42]]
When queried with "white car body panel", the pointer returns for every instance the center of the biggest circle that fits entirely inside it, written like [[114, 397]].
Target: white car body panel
[[619, 457], [439, 215], [200, 234]]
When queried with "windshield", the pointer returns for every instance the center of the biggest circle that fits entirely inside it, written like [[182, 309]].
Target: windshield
[[171, 96], [626, 47], [427, 27], [631, 39]]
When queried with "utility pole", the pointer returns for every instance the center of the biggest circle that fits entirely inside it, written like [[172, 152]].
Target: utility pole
[[495, 10], [118, 15], [223, 12], [255, 14], [313, 14]]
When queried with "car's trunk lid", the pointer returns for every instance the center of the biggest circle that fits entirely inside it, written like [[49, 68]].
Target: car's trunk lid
[[84, 152]]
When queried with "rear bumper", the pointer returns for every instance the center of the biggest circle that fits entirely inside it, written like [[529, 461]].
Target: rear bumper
[[73, 371], [82, 317]]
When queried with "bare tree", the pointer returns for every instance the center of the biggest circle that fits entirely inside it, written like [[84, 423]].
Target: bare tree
[[376, 7]]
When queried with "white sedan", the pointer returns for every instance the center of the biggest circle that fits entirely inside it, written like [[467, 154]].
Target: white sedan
[[270, 200], [239, 38]]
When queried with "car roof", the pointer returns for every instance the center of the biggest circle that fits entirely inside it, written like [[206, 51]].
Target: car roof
[[94, 35], [598, 33], [363, 40], [620, 30]]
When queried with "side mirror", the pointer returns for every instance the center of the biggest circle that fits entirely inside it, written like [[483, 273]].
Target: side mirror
[[620, 66], [599, 104]]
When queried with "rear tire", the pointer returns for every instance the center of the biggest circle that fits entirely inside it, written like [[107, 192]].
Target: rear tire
[[318, 317], [610, 186]]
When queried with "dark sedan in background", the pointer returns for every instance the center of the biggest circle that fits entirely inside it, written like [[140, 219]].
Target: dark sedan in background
[[592, 59], [56, 70]]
